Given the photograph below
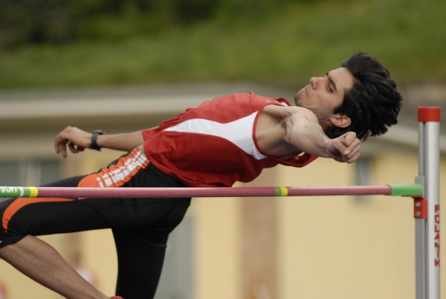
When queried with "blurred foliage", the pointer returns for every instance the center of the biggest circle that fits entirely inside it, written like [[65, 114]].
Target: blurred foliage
[[282, 42], [66, 21]]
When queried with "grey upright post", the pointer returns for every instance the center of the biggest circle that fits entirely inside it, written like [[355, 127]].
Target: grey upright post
[[427, 230]]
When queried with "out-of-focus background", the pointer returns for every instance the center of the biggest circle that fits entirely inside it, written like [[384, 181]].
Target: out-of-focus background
[[129, 64]]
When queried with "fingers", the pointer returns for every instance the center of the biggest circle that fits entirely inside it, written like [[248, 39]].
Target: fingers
[[348, 139], [71, 137], [60, 142], [349, 157], [348, 148], [60, 145], [352, 156], [72, 147]]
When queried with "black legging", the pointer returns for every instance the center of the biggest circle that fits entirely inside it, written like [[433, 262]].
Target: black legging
[[140, 226]]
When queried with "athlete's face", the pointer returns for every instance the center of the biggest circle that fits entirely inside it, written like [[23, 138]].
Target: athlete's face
[[324, 94]]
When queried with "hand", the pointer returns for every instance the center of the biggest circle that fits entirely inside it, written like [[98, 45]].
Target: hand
[[77, 141], [345, 148]]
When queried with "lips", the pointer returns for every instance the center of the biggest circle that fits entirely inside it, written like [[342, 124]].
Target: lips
[[305, 91], [301, 95]]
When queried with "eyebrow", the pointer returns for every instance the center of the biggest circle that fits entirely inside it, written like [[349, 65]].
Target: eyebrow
[[331, 81]]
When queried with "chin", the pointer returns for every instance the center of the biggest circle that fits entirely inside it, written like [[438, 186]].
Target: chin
[[297, 100], [298, 97]]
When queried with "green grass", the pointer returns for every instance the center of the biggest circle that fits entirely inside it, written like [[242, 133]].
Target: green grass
[[288, 46]]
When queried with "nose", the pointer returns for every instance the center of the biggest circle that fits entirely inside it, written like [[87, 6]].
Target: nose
[[313, 82]]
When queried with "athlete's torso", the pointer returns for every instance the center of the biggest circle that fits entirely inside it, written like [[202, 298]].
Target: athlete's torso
[[214, 144]]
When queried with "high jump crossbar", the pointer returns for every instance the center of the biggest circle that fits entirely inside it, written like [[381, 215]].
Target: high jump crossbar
[[74, 192], [425, 193]]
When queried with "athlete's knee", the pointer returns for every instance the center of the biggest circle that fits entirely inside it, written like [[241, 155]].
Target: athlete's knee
[[8, 241], [4, 250], [11, 231]]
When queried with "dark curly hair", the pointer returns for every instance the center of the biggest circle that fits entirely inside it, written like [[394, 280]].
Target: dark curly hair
[[373, 103]]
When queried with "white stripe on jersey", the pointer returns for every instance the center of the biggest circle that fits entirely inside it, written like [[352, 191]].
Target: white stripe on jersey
[[238, 132]]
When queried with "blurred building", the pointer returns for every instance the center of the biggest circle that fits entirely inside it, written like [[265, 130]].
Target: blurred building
[[228, 248]]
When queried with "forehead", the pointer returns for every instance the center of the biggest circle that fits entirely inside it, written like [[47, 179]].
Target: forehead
[[342, 78]]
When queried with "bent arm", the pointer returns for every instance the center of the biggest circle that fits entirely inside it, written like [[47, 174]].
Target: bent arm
[[77, 140], [307, 136], [304, 132]]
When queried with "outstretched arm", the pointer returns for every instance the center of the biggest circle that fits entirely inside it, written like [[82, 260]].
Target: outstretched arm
[[77, 140], [303, 132]]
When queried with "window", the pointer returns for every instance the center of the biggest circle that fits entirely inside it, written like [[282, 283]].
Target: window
[[28, 173], [363, 176], [177, 276]]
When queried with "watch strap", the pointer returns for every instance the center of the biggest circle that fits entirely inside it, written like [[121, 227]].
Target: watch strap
[[94, 139]]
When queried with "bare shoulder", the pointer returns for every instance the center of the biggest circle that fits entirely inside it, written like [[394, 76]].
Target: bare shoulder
[[282, 112]]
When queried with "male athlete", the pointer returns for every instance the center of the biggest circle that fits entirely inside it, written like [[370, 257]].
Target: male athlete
[[229, 139]]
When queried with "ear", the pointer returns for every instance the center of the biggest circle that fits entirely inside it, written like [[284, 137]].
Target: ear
[[341, 120]]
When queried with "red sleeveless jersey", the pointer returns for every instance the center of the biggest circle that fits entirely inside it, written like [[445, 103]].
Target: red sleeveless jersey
[[214, 144]]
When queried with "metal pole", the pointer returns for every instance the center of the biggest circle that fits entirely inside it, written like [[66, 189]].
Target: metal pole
[[420, 225], [428, 231]]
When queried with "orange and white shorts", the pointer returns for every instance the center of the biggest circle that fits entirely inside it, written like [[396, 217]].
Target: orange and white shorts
[[40, 216]]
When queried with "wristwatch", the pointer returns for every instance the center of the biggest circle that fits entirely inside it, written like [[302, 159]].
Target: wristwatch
[[94, 138]]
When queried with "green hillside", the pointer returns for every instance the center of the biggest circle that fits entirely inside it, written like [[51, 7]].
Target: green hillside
[[288, 44]]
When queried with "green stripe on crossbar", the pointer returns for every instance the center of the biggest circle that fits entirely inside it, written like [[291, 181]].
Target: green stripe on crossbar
[[406, 190], [18, 192], [281, 191]]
